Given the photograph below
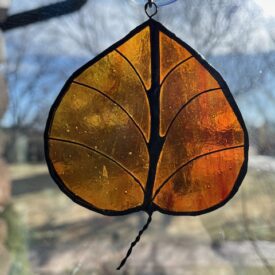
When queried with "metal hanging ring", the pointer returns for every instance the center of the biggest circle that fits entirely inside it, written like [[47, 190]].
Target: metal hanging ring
[[149, 5]]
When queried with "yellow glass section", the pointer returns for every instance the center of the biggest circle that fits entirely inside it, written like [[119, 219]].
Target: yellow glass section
[[171, 54], [113, 76], [94, 178], [203, 183], [138, 51], [186, 81], [89, 118], [206, 124]]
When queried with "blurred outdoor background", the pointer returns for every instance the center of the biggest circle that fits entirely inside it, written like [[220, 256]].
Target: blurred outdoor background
[[43, 232]]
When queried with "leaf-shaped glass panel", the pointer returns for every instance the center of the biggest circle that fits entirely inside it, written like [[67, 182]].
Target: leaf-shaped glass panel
[[147, 125]]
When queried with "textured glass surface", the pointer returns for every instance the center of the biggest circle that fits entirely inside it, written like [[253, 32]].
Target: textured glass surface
[[138, 51], [114, 76], [89, 118], [97, 138], [206, 124], [193, 172], [95, 178], [202, 183], [171, 54], [184, 82]]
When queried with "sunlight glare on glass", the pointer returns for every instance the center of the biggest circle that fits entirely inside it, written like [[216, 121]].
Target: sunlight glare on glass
[[160, 3], [267, 7]]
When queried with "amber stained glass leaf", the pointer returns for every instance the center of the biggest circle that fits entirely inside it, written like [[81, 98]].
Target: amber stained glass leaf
[[147, 125]]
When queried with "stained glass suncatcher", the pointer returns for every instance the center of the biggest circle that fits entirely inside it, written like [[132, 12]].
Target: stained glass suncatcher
[[147, 125]]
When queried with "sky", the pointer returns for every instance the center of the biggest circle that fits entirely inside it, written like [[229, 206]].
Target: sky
[[108, 12], [267, 6], [113, 9]]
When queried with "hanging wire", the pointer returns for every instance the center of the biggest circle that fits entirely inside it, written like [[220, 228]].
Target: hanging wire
[[134, 243], [151, 5]]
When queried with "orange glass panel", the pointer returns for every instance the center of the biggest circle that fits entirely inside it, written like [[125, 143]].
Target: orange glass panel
[[138, 51], [94, 178], [171, 54], [203, 183], [186, 81], [87, 117], [113, 76], [206, 124]]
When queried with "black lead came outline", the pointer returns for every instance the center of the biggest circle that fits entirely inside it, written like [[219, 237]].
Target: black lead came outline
[[156, 141]]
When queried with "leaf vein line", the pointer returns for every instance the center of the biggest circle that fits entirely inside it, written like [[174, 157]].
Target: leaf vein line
[[100, 153], [174, 68], [124, 110], [193, 159], [187, 103], [133, 67]]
